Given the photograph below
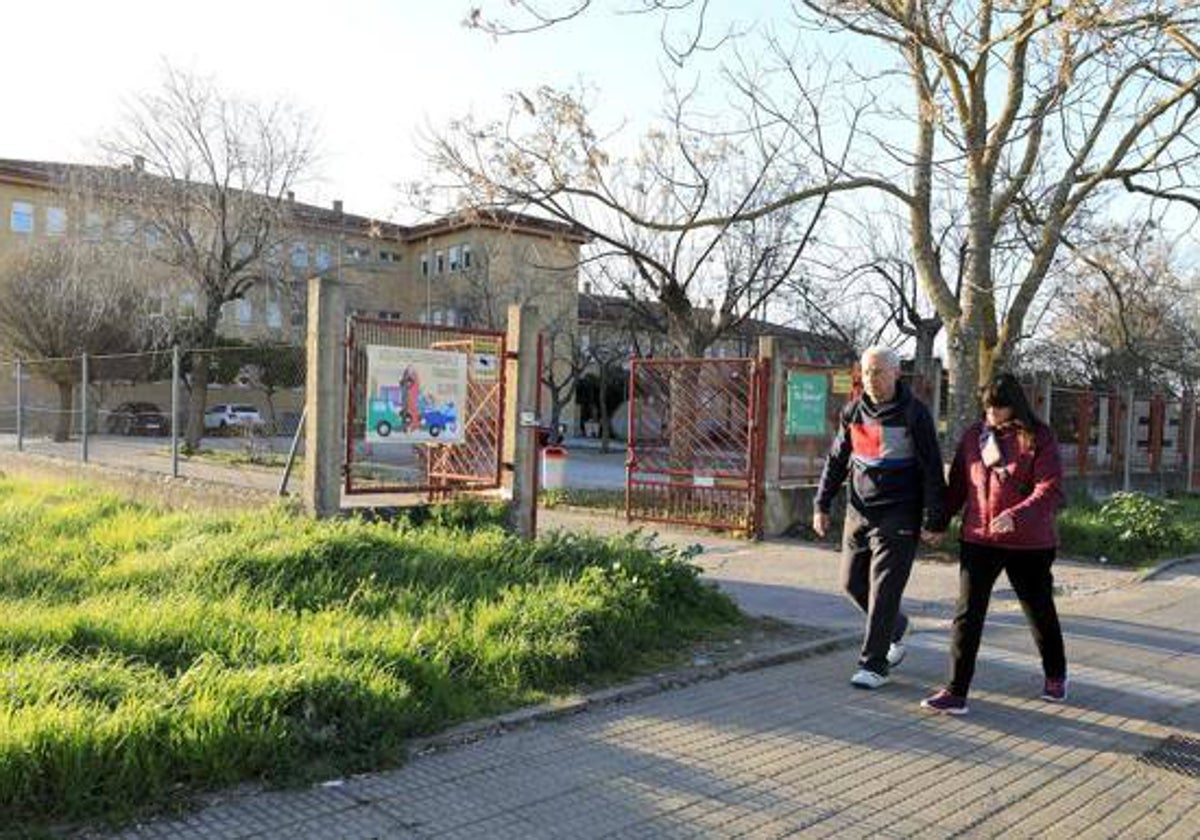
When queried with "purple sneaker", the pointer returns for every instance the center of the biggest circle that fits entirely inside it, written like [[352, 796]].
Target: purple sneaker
[[1055, 690], [945, 703]]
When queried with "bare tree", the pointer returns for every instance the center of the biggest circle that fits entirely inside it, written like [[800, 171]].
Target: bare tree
[[211, 178], [646, 210], [63, 298], [1020, 115], [1126, 313]]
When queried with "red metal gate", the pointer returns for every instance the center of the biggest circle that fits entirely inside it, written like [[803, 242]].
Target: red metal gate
[[426, 467], [697, 442]]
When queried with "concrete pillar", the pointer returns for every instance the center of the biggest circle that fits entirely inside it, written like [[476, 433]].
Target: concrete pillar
[[777, 513], [523, 379], [325, 396]]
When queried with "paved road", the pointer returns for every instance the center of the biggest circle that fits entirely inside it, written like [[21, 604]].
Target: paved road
[[792, 750]]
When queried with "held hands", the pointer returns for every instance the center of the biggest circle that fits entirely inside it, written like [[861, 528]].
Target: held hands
[[932, 538], [820, 523], [1003, 524]]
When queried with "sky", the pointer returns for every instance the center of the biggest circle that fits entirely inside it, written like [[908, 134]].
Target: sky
[[372, 74]]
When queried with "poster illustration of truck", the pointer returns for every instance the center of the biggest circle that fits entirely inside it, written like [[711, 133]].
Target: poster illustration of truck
[[415, 396]]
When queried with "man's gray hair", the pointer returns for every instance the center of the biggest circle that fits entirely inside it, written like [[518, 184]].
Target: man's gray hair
[[889, 356]]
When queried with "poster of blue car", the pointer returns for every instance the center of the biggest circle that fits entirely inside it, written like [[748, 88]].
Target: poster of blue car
[[415, 395]]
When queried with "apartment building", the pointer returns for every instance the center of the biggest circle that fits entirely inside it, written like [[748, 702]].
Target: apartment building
[[462, 269]]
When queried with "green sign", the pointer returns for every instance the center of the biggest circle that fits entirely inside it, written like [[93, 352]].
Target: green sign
[[806, 403]]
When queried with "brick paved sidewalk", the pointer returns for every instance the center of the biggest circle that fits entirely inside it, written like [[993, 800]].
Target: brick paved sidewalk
[[794, 751]]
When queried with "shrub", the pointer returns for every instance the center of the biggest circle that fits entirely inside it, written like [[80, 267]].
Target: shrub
[[1142, 520]]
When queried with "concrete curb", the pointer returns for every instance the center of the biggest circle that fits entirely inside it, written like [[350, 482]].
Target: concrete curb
[[645, 687], [1165, 565]]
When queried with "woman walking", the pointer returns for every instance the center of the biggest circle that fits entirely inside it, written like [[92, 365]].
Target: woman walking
[[1007, 480]]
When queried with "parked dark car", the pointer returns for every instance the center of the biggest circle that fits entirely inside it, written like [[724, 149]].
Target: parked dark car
[[138, 418]]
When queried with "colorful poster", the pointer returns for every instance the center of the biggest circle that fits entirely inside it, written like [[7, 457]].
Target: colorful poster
[[415, 396], [806, 403]]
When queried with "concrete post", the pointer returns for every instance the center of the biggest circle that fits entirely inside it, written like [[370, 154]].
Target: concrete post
[[324, 396], [776, 510], [83, 404], [1130, 443], [521, 420], [20, 407], [175, 365]]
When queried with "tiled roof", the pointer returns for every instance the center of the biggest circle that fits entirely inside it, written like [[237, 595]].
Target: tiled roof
[[51, 174]]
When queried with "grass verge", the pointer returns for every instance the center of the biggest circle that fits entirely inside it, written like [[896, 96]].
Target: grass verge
[[146, 652]]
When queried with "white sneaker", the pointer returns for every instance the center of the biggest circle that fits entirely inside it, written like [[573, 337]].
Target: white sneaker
[[896, 653], [867, 679]]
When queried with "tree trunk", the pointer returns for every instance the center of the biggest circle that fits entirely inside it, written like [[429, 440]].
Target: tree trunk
[[201, 360], [963, 345], [198, 401], [62, 424]]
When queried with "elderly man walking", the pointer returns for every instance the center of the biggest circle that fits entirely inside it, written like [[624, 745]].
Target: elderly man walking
[[887, 443]]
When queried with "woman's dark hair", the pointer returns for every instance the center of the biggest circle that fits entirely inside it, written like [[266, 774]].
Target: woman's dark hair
[[1004, 391]]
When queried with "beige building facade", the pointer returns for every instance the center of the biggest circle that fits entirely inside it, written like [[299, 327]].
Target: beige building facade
[[462, 270]]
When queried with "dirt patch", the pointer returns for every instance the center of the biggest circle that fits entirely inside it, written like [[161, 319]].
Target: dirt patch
[[139, 485], [757, 637]]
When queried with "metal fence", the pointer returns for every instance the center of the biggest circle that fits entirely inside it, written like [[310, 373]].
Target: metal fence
[[133, 410], [1095, 429]]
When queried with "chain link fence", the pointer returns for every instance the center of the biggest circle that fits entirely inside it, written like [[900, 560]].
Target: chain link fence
[[229, 414]]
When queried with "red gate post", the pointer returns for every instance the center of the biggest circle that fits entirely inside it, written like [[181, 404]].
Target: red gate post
[[1084, 430], [1116, 452], [1158, 417], [1190, 449]]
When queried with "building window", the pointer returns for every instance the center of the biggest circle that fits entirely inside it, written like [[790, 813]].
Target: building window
[[125, 229], [466, 257], [187, 302], [21, 220], [298, 304], [455, 257], [274, 308], [323, 259], [390, 315], [151, 235], [299, 255], [245, 312], [56, 221], [389, 257], [93, 225], [439, 261], [356, 254], [425, 265]]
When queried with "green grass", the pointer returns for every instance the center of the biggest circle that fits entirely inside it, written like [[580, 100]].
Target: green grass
[[1138, 532], [145, 652], [595, 499]]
